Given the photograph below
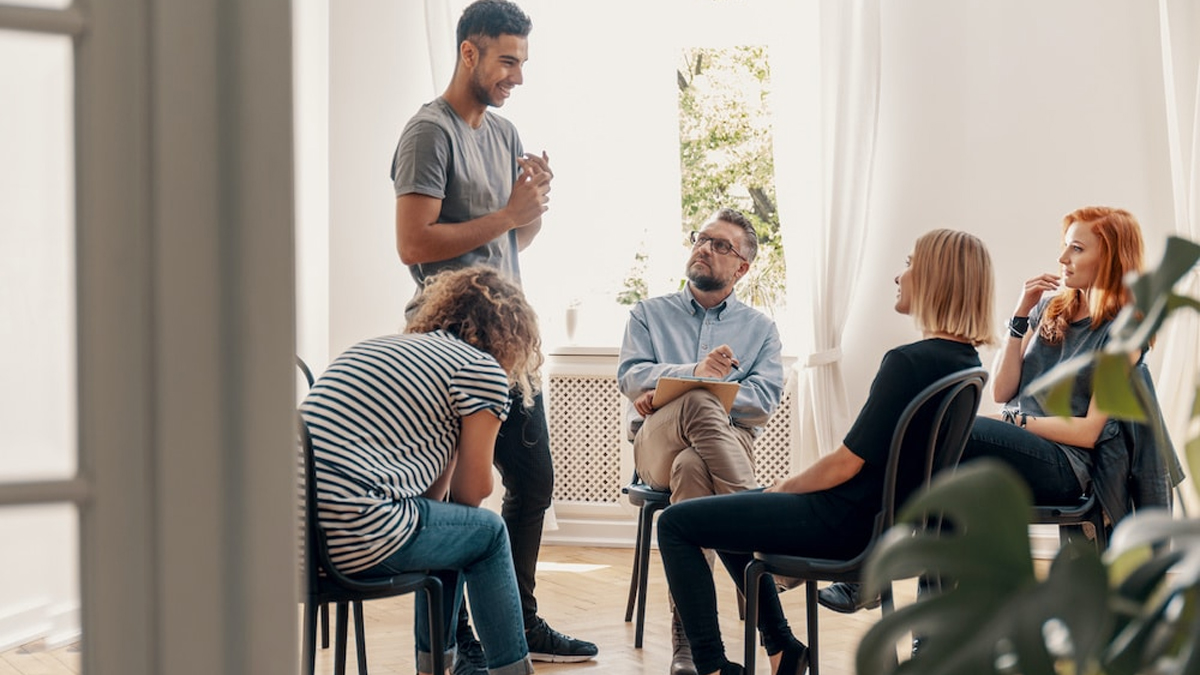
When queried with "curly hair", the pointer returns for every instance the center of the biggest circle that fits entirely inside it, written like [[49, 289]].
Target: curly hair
[[1121, 251], [485, 310]]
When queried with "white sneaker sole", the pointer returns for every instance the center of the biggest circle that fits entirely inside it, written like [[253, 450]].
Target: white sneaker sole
[[559, 658]]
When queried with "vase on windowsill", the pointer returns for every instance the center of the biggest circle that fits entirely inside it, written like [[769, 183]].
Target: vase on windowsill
[[572, 322]]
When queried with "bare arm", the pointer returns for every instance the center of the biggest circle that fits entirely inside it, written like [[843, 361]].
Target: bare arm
[[472, 479], [420, 238], [441, 486], [831, 470], [1007, 368], [1006, 380]]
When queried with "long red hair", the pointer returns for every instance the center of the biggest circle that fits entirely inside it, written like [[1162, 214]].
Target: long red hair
[[1122, 251]]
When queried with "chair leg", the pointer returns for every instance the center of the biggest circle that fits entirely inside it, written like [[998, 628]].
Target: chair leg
[[633, 577], [741, 600], [754, 574], [887, 606], [309, 658], [437, 624], [810, 602], [324, 625], [643, 566], [339, 640], [360, 637]]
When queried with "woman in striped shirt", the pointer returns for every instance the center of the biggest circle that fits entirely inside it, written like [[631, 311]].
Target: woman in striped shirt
[[401, 422]]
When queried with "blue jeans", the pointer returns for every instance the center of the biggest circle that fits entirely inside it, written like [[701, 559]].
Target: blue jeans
[[465, 544], [1040, 462]]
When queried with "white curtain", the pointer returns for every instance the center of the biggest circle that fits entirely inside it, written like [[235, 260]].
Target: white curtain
[[1181, 82], [823, 260], [441, 20]]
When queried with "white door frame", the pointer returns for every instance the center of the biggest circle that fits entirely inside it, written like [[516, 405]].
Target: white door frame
[[186, 333]]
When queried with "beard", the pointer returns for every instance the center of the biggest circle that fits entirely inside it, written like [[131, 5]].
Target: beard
[[482, 94], [704, 281]]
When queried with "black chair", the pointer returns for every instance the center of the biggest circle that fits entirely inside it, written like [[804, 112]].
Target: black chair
[[1070, 519], [649, 501], [325, 584], [953, 402], [1138, 452], [309, 379]]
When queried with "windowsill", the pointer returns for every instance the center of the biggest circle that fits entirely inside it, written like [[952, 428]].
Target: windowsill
[[582, 350]]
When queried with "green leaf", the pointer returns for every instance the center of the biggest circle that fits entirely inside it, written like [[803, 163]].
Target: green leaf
[[1113, 386], [1054, 387], [995, 605], [1179, 256]]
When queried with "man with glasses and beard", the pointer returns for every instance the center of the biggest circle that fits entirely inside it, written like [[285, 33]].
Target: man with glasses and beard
[[691, 445]]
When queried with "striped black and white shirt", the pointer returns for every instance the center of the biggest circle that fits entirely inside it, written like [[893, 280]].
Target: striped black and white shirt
[[385, 419]]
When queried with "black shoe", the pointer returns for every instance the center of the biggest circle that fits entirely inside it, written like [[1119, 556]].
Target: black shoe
[[469, 659], [794, 660], [846, 598], [547, 644]]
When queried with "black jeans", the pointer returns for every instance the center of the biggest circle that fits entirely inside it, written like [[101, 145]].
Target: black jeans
[[1040, 462], [522, 455], [736, 526], [527, 473]]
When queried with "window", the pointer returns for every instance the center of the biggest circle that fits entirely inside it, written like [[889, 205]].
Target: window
[[624, 138]]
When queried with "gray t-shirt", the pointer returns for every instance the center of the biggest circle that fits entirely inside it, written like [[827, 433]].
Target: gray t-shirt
[[471, 170], [1040, 357]]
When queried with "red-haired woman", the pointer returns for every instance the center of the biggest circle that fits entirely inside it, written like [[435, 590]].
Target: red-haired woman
[[1057, 317]]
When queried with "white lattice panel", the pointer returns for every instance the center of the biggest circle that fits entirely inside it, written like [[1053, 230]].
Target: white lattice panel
[[773, 449], [585, 438]]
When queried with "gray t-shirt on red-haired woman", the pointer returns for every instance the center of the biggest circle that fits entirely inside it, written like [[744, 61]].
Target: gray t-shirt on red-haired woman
[[1040, 357]]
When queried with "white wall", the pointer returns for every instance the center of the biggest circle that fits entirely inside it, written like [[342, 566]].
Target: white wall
[[999, 118], [376, 82], [310, 58], [996, 117]]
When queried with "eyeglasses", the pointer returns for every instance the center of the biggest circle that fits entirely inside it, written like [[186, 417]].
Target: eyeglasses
[[721, 246]]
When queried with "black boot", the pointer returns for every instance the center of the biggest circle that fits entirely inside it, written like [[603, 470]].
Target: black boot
[[846, 598], [681, 651]]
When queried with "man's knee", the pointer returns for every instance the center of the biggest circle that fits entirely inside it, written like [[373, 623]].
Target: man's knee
[[690, 477], [701, 402]]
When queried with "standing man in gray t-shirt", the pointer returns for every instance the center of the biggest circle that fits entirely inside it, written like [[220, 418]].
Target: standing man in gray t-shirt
[[467, 193]]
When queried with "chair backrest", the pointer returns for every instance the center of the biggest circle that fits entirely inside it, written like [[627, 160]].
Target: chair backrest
[[951, 404], [316, 547], [307, 482]]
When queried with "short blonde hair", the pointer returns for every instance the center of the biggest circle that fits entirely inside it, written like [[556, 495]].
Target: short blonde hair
[[953, 287], [485, 310]]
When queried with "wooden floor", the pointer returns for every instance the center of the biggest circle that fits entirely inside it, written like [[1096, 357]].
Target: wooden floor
[[581, 592]]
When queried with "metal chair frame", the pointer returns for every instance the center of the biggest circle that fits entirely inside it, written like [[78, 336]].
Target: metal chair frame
[[324, 583]]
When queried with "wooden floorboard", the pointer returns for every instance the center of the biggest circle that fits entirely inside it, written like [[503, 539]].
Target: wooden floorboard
[[582, 592]]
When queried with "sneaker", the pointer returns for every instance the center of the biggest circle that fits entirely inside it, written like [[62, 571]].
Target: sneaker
[[469, 659], [549, 645]]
